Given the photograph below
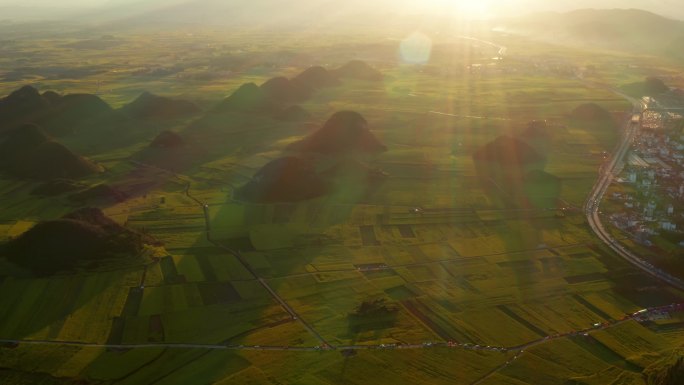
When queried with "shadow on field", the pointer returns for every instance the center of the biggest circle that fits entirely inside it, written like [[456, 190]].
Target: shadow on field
[[52, 308], [273, 226], [511, 170]]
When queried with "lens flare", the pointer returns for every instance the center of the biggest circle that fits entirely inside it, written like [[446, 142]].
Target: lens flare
[[416, 48]]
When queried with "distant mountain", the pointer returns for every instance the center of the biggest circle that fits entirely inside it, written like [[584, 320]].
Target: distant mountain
[[256, 14], [194, 11], [629, 30], [21, 14]]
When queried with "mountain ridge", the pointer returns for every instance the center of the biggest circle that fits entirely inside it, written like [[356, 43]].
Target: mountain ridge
[[629, 30]]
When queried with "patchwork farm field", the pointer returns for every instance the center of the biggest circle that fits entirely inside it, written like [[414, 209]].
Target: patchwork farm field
[[436, 275]]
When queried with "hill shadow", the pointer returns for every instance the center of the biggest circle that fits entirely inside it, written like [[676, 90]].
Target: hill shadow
[[511, 169], [56, 254]]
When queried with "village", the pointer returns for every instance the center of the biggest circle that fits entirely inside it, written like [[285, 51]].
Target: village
[[648, 199]]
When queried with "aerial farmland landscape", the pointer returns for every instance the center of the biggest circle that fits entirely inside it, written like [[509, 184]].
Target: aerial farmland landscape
[[316, 192]]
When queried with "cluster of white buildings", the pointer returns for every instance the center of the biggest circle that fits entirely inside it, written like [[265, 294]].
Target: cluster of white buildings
[[655, 170]]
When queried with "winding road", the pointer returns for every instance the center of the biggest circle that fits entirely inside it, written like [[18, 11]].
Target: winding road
[[593, 203]]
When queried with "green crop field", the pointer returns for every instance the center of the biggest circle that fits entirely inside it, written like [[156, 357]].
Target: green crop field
[[473, 270]]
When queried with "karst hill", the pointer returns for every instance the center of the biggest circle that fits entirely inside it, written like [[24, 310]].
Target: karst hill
[[287, 179], [57, 114], [85, 237], [28, 152], [344, 132]]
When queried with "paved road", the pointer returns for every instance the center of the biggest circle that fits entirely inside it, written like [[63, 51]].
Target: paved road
[[238, 256], [638, 316], [468, 116], [293, 314], [518, 350], [593, 203], [236, 253], [502, 50]]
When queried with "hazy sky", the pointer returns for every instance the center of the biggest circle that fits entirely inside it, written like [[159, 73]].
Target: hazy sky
[[672, 8]]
